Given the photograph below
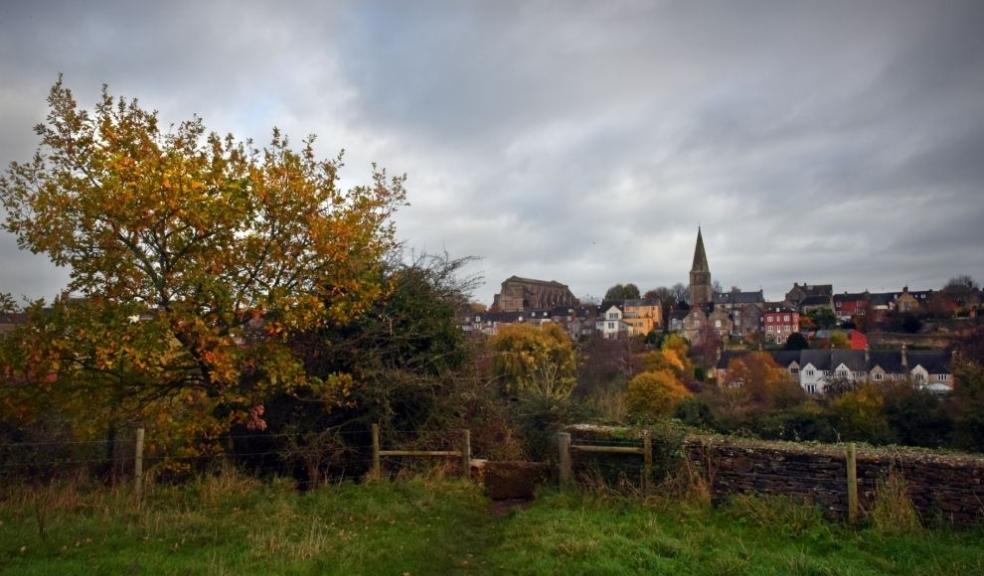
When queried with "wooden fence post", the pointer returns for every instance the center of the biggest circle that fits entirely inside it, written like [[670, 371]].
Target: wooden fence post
[[376, 472], [138, 465], [564, 461], [852, 484], [466, 453], [647, 460]]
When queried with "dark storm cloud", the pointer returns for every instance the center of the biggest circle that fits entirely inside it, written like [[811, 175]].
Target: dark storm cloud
[[824, 142]]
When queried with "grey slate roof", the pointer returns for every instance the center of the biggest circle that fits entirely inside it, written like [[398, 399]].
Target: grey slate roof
[[882, 298], [815, 301], [535, 281], [889, 361], [819, 358], [851, 296], [934, 361], [853, 359], [785, 357], [739, 297]]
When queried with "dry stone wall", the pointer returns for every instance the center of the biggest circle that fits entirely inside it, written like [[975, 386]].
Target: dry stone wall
[[941, 485]]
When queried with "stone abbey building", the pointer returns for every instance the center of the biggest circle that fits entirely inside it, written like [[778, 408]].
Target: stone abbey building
[[520, 294]]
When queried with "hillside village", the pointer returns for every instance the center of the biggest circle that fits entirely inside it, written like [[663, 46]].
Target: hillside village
[[857, 336]]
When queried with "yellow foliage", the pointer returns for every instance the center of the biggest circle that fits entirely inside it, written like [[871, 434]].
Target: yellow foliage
[[655, 393], [858, 415], [220, 250], [537, 360], [763, 381]]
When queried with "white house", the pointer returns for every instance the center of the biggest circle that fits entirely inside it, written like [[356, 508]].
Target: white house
[[610, 323]]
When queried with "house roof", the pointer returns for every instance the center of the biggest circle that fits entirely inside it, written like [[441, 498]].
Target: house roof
[[888, 360], [934, 361], [500, 316], [738, 297], [678, 314], [607, 305], [815, 289], [882, 298], [534, 281], [815, 300], [785, 357], [819, 358], [853, 359], [851, 297]]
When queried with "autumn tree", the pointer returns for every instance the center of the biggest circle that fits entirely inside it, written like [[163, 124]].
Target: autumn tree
[[671, 356], [621, 292], [654, 394], [220, 249], [839, 340], [764, 382], [822, 318], [535, 360], [859, 415]]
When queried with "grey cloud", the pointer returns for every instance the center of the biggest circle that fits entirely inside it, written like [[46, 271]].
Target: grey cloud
[[580, 142]]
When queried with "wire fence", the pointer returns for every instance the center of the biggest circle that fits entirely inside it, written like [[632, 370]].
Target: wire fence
[[312, 457]]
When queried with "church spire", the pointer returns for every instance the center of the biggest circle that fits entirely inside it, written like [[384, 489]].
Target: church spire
[[700, 257], [700, 276]]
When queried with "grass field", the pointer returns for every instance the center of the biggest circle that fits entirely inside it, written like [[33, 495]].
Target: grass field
[[234, 525]]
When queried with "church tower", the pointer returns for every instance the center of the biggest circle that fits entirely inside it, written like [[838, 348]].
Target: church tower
[[700, 276]]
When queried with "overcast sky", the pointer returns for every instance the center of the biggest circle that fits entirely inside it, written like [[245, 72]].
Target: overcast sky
[[822, 142]]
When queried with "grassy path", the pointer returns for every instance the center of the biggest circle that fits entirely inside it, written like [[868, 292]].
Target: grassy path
[[238, 526]]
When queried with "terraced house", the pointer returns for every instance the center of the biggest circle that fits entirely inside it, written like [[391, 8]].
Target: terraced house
[[816, 369]]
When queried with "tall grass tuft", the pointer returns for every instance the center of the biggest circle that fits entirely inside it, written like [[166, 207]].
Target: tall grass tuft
[[792, 515], [228, 482], [893, 512]]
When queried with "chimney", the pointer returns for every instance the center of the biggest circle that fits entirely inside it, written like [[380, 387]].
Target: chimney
[[905, 358]]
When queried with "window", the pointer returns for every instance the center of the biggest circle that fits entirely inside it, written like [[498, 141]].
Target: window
[[785, 318], [878, 375], [809, 372], [717, 323], [611, 325], [794, 370], [811, 388]]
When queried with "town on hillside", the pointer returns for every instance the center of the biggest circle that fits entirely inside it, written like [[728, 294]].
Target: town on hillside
[[814, 332]]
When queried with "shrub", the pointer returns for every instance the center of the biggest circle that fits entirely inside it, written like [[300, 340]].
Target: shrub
[[695, 412], [858, 415], [654, 394]]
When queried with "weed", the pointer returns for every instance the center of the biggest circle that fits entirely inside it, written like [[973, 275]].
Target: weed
[[893, 511]]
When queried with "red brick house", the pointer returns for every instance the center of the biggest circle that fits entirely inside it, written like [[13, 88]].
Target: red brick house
[[778, 322]]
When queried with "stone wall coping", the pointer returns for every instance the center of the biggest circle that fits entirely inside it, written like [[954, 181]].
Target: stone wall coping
[[865, 452]]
